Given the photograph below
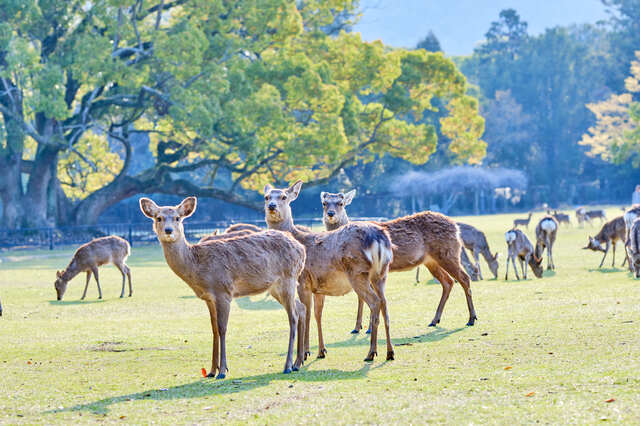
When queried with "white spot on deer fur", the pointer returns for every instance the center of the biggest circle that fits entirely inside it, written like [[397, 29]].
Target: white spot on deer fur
[[548, 225], [510, 236]]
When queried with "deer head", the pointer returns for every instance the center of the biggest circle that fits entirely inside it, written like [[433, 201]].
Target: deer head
[[276, 202], [333, 206], [594, 245], [493, 265], [167, 220], [60, 284]]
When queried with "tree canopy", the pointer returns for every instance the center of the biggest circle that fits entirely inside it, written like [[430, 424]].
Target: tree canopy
[[231, 95]]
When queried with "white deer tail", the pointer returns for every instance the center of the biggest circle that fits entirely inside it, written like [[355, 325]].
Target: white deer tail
[[377, 250]]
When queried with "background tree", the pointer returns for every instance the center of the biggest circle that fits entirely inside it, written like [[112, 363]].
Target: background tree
[[430, 43]]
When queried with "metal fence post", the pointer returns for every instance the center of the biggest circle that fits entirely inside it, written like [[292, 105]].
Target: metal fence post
[[50, 239], [130, 236]]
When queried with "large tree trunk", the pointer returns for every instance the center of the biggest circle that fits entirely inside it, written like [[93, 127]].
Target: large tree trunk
[[10, 165], [38, 197]]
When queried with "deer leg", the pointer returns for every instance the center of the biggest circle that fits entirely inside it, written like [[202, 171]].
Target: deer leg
[[524, 264], [95, 274], [606, 250], [447, 284], [477, 259], [378, 287], [215, 357], [358, 326], [362, 286], [128, 271], [124, 278], [86, 285], [287, 300], [223, 305], [418, 274], [613, 264], [318, 305], [515, 268], [461, 276], [301, 310], [305, 297], [506, 274]]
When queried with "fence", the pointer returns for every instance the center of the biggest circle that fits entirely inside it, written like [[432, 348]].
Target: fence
[[135, 233]]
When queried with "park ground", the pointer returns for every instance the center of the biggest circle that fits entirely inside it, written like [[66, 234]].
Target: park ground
[[561, 349]]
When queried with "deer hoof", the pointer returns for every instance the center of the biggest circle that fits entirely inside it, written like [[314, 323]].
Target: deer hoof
[[434, 323], [322, 354], [471, 322], [370, 357], [287, 370], [369, 330], [295, 368], [212, 374], [355, 331], [390, 356], [221, 376]]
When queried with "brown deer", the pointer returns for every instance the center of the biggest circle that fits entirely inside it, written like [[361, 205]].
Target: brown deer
[[425, 238], [519, 246], [92, 255], [546, 232], [218, 271], [611, 232], [355, 256], [629, 216], [525, 222], [585, 215], [242, 227], [633, 247], [0, 309], [475, 240]]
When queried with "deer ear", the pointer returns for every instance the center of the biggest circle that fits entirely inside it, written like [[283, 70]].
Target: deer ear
[[496, 256], [148, 207], [215, 232], [322, 195], [59, 274], [267, 188], [348, 197], [294, 190], [187, 206]]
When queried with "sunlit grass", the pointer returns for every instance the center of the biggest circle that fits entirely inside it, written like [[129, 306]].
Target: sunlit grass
[[552, 350]]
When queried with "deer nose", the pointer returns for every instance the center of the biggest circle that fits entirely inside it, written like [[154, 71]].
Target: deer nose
[[272, 206], [168, 231], [331, 213]]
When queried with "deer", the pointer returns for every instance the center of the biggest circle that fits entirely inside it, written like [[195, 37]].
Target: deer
[[611, 232], [546, 232], [88, 257], [633, 247], [425, 238], [0, 309], [585, 215], [519, 246], [474, 240], [218, 271], [355, 257], [629, 216], [525, 222], [560, 217]]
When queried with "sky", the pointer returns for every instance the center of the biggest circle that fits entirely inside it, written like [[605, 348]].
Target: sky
[[461, 24]]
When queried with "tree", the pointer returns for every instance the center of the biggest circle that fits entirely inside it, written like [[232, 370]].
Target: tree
[[231, 95], [616, 135], [430, 43]]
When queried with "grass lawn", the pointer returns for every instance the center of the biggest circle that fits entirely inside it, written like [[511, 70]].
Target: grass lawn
[[553, 350]]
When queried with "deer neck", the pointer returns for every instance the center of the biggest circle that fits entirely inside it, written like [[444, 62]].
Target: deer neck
[[333, 226], [71, 271], [286, 225], [179, 257]]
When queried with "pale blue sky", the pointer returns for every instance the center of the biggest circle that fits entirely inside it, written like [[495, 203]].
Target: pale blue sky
[[461, 24]]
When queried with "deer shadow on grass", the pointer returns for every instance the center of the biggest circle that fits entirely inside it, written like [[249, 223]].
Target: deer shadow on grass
[[606, 270], [245, 303], [75, 302], [208, 387]]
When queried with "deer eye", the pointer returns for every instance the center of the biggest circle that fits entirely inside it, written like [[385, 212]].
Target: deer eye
[[266, 197], [340, 204], [158, 219], [284, 197]]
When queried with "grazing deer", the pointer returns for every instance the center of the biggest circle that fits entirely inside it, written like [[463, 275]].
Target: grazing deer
[[525, 222], [519, 246], [633, 247], [546, 232], [610, 233], [219, 270], [89, 257], [0, 309], [425, 238], [475, 240], [585, 215], [629, 216], [355, 256], [560, 217]]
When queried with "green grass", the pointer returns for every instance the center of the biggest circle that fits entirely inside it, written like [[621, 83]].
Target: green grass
[[551, 350]]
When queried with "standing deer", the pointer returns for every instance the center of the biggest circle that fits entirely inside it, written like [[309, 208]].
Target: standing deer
[[633, 247], [585, 215], [475, 240], [546, 232], [629, 216], [425, 238], [355, 256], [219, 270], [525, 222], [611, 232], [519, 246], [89, 257], [560, 217]]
